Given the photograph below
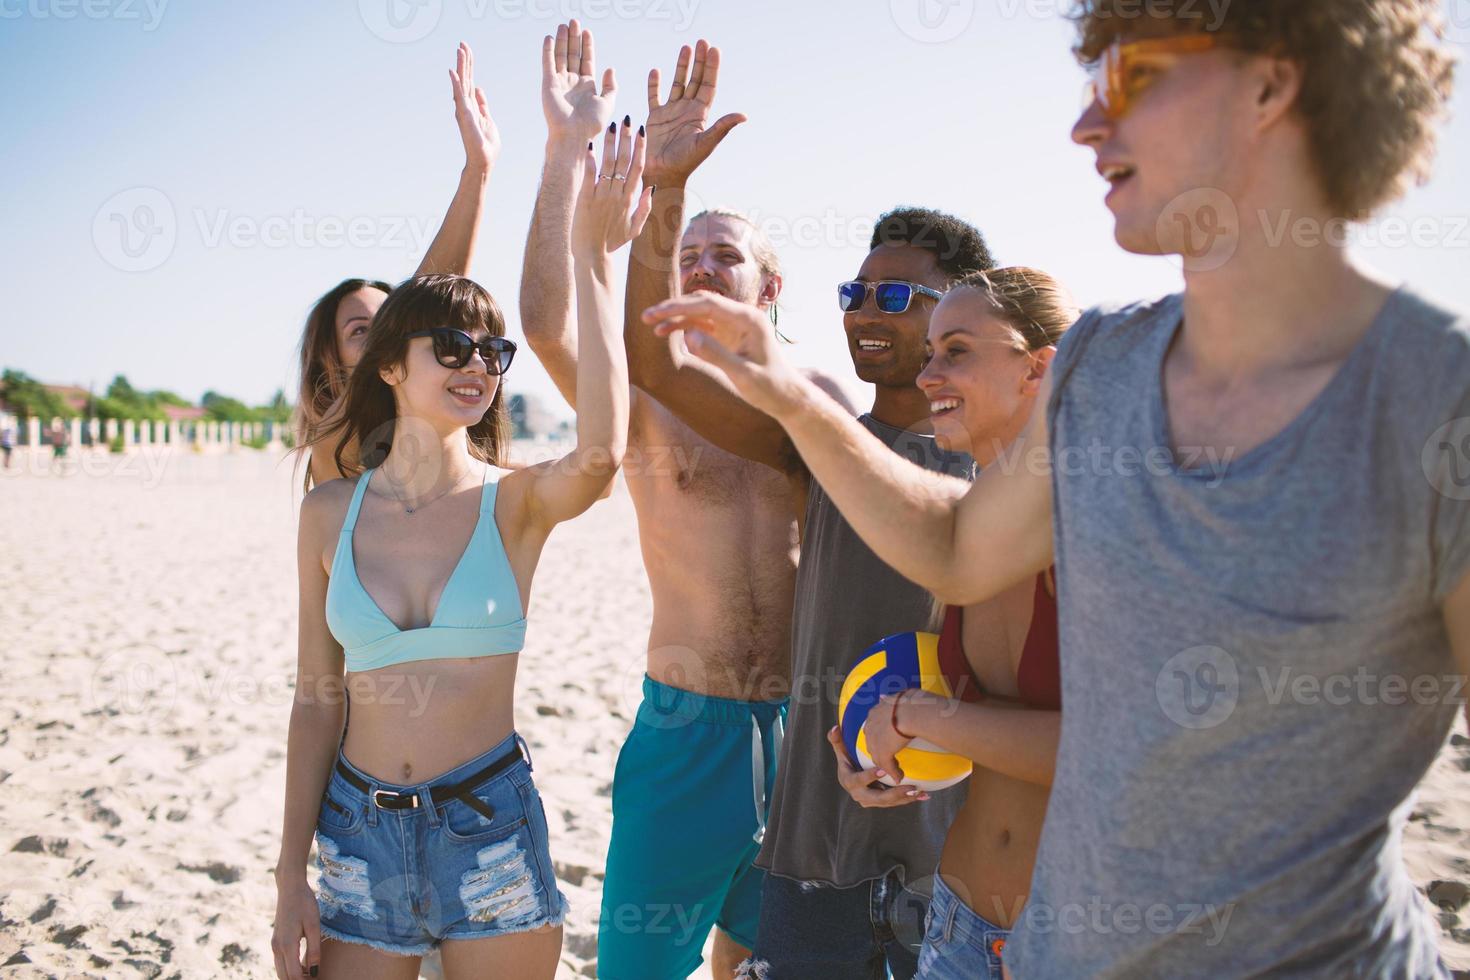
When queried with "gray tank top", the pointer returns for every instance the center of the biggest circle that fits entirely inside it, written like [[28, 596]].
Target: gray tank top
[[1255, 666], [847, 599]]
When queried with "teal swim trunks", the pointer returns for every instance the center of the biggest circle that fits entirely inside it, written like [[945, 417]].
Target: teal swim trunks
[[690, 799]]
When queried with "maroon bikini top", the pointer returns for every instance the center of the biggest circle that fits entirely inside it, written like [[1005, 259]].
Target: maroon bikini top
[[1040, 675]]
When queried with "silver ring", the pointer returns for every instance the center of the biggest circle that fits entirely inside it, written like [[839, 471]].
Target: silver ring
[[605, 177]]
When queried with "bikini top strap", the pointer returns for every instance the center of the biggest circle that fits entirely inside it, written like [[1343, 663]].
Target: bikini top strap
[[356, 505]]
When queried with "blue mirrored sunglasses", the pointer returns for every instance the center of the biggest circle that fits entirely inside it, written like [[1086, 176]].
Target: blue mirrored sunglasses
[[889, 295]]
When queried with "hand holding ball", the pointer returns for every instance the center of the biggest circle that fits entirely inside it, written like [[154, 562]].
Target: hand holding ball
[[904, 661]]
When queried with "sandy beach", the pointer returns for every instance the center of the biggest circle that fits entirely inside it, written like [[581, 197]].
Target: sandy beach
[[150, 615]]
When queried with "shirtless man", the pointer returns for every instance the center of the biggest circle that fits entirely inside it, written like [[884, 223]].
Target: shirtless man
[[719, 543]]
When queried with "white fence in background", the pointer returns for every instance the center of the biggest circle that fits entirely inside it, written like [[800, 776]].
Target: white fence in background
[[203, 434]]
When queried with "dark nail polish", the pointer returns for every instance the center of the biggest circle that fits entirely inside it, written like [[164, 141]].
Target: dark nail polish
[[652, 188], [313, 970], [627, 120], [612, 127], [589, 144], [640, 130]]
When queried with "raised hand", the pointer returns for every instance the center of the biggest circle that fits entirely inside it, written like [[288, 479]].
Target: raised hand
[[479, 132], [574, 109], [678, 140], [605, 218], [736, 338]]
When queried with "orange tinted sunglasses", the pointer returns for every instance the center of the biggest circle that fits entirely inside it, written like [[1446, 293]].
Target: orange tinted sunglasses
[[1111, 86]]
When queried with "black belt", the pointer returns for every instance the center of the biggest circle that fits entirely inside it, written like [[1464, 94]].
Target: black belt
[[388, 799]]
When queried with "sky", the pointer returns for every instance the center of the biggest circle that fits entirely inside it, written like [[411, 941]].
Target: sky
[[183, 178]]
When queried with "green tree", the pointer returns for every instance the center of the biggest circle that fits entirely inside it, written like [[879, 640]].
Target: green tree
[[225, 409], [30, 399]]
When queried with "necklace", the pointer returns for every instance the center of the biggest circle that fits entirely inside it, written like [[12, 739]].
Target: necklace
[[420, 506]]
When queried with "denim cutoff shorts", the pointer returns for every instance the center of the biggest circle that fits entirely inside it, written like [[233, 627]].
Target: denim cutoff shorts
[[403, 880], [959, 944]]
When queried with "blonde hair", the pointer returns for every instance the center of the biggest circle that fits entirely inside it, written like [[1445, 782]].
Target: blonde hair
[[1035, 308]]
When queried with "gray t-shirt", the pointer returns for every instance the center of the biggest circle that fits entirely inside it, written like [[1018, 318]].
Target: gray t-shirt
[[1254, 663], [847, 599]]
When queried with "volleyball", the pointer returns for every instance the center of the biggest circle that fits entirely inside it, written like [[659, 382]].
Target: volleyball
[[904, 661]]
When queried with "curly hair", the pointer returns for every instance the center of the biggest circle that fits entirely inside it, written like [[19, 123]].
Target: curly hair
[[957, 246], [1376, 77]]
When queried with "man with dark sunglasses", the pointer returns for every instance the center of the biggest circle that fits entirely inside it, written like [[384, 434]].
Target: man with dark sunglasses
[[834, 902]]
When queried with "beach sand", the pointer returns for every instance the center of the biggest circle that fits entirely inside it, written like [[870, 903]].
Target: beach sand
[[149, 607]]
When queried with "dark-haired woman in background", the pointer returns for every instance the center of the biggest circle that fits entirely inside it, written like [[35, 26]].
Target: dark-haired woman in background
[[332, 342]]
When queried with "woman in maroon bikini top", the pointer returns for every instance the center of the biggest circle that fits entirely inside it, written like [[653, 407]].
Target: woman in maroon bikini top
[[992, 338], [1039, 675]]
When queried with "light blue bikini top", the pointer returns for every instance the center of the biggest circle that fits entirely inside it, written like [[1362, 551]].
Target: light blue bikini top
[[479, 612]]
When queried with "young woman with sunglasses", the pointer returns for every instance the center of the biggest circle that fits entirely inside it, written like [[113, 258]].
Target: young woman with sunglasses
[[429, 829], [991, 340], [333, 338]]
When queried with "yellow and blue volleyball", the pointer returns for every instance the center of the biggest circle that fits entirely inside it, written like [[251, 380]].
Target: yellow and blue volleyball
[[904, 661]]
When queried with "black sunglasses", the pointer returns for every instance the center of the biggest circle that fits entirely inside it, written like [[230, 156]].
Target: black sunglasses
[[889, 295], [454, 348]]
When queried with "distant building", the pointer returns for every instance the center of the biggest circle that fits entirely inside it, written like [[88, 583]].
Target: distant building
[[183, 413], [76, 398]]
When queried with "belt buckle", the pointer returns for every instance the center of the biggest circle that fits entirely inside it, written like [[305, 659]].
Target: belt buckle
[[413, 798]]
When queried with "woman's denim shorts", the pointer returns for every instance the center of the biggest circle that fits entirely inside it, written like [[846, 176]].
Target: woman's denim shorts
[[403, 880], [958, 943]]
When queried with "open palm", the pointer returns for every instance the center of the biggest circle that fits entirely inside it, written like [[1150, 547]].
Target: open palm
[[678, 138], [472, 113], [574, 108]]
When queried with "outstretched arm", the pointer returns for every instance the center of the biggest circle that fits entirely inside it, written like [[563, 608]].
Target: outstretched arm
[[606, 219], [678, 143], [454, 246], [963, 542], [575, 113]]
